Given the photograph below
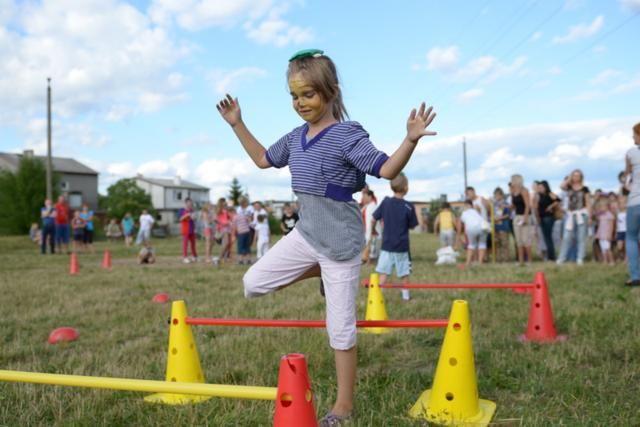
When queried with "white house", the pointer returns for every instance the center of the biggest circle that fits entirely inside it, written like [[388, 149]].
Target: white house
[[168, 196]]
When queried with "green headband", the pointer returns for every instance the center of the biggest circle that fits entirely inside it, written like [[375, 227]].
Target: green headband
[[306, 53]]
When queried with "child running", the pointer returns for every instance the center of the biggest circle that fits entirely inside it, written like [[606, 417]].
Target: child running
[[399, 216], [328, 158]]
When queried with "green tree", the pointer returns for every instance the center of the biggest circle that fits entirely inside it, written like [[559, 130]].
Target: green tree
[[22, 195], [235, 191], [125, 196]]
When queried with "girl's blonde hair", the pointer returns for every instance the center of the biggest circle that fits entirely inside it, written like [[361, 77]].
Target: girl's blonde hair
[[321, 73], [517, 180]]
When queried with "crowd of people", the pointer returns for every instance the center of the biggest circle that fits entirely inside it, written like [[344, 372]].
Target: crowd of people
[[62, 227], [560, 226]]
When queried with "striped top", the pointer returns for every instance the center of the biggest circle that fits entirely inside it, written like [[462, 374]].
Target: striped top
[[332, 164]]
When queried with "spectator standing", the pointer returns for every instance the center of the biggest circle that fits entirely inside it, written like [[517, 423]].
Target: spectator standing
[[289, 219], [127, 229], [471, 233], [369, 206], [208, 220], [242, 232], [112, 231], [262, 235], [48, 215], [87, 216], [444, 225], [547, 202], [483, 206], [632, 181], [223, 229], [621, 227], [502, 228], [188, 229], [62, 224], [578, 217], [146, 223], [606, 228], [78, 226], [523, 226]]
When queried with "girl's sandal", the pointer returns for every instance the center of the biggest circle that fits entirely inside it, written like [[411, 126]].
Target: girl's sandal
[[333, 420]]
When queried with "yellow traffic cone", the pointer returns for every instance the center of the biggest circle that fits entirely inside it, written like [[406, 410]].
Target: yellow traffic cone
[[183, 362], [453, 399], [375, 305]]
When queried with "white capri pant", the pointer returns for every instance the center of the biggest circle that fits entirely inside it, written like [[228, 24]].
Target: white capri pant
[[289, 259], [477, 239]]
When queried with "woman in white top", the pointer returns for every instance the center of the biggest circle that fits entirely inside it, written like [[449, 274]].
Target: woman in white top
[[470, 225]]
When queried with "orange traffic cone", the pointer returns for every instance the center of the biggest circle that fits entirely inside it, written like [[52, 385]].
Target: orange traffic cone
[[74, 266], [294, 402], [106, 260], [540, 327]]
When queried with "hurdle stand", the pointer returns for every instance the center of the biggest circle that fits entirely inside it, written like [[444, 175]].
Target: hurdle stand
[[540, 325]]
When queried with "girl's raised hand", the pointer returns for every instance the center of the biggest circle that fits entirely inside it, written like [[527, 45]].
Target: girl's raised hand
[[418, 122], [229, 109]]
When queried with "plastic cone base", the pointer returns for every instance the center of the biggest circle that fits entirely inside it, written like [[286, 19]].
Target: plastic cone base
[[376, 309], [482, 418], [297, 409], [541, 326], [74, 266], [106, 260], [175, 399], [183, 361]]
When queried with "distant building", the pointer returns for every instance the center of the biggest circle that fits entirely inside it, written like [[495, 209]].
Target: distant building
[[78, 181], [168, 196]]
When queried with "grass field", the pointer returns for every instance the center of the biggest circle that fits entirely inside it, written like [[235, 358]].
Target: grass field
[[592, 379]]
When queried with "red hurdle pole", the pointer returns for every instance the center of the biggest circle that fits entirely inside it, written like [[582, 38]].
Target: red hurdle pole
[[266, 323]]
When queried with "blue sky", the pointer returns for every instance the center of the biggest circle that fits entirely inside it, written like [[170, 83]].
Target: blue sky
[[535, 87]]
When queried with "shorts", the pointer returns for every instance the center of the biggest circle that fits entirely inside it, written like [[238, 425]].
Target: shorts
[[78, 236], [605, 245], [388, 260], [291, 257], [244, 243], [476, 239], [621, 236], [524, 233], [87, 238], [62, 233], [447, 237]]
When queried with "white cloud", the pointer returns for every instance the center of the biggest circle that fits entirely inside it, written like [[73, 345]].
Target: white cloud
[[611, 147], [488, 69], [633, 5], [580, 31], [262, 20], [445, 164], [629, 86], [598, 49], [442, 58], [554, 71], [277, 31], [153, 168], [470, 95], [536, 36], [194, 15], [99, 54], [180, 163], [225, 81], [500, 158], [121, 169], [564, 154], [604, 76]]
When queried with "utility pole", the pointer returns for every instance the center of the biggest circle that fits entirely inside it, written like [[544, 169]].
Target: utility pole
[[49, 165], [464, 162]]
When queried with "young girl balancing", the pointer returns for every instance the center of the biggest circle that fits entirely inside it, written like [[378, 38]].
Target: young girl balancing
[[328, 158]]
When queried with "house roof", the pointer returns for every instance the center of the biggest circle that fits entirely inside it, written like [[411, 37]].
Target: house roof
[[60, 164], [171, 183]]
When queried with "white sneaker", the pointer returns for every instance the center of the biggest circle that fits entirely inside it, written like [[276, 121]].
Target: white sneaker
[[186, 261], [194, 259], [580, 262]]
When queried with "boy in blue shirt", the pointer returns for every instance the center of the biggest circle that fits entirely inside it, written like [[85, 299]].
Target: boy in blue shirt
[[398, 217]]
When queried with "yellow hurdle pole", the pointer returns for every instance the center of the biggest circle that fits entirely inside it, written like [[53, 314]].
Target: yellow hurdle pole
[[150, 386]]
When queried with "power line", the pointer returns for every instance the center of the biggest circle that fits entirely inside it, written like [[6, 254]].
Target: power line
[[521, 91]]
